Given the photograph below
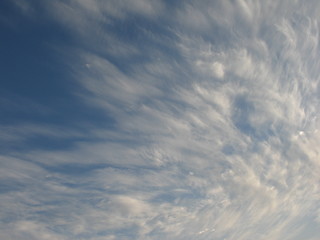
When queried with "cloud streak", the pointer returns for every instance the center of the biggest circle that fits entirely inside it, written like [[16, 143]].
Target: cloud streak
[[215, 134]]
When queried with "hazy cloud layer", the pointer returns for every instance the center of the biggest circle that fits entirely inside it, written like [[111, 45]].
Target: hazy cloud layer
[[215, 125]]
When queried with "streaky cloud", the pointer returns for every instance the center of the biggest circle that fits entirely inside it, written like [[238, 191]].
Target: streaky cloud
[[215, 132]]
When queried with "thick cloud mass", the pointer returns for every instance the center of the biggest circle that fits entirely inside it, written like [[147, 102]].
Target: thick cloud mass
[[179, 120]]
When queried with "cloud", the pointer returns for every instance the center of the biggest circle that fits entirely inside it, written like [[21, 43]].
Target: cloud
[[215, 127], [82, 15]]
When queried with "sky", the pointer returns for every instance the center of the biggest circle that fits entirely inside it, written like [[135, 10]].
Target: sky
[[158, 119]]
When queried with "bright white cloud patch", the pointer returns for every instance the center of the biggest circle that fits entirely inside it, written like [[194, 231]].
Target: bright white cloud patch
[[216, 107], [218, 69]]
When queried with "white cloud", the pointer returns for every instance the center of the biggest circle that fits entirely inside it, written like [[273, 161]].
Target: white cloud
[[206, 143]]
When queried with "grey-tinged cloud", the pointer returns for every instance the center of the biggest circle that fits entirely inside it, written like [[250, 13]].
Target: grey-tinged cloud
[[216, 139]]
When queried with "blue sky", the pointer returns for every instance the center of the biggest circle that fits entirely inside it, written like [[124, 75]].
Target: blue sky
[[154, 119]]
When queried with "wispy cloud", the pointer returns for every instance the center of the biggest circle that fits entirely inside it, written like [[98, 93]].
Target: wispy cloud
[[215, 133]]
